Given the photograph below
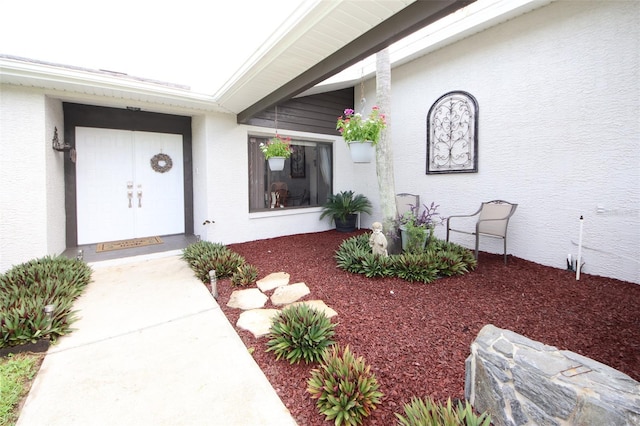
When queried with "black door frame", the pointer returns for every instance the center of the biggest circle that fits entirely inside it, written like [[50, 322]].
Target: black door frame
[[78, 115]]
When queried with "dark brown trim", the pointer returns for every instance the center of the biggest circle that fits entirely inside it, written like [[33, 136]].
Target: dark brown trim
[[77, 115], [314, 114], [409, 20]]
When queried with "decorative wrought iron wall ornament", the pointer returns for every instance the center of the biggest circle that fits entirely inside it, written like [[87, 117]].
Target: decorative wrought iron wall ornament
[[161, 163], [452, 134]]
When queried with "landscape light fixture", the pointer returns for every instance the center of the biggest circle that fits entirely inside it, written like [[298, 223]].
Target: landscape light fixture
[[48, 311], [214, 283]]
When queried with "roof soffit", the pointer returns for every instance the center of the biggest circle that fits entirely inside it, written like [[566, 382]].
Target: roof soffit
[[327, 28], [395, 27]]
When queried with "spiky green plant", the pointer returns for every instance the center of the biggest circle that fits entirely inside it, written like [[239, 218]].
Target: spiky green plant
[[344, 386], [415, 267], [427, 412], [205, 256], [246, 274], [352, 252], [345, 203], [439, 259], [27, 288], [300, 333]]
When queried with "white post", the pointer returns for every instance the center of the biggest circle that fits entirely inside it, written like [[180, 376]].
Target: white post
[[579, 250]]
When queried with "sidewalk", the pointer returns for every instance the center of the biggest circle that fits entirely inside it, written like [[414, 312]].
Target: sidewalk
[[151, 347]]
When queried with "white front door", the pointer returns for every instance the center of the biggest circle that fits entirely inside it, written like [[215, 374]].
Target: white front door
[[119, 195]]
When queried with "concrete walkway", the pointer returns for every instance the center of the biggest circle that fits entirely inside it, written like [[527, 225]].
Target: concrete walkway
[[151, 347]]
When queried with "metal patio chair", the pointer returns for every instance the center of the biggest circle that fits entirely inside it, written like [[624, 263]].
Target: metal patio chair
[[493, 221], [405, 201]]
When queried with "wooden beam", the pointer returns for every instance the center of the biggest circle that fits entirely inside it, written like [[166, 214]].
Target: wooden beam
[[404, 23]]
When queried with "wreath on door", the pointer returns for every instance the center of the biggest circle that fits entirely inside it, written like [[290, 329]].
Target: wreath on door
[[161, 163]]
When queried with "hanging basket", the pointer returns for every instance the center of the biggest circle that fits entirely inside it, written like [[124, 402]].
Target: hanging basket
[[362, 152], [276, 164]]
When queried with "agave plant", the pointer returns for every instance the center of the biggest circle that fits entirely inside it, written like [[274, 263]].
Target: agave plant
[[300, 333], [345, 388]]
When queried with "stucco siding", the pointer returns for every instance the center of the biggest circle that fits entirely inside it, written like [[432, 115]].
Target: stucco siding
[[54, 177], [223, 151], [559, 100], [23, 209]]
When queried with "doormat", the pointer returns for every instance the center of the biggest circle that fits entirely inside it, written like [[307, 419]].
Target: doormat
[[125, 244]]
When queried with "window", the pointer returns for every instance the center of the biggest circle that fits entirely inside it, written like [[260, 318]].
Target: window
[[305, 181]]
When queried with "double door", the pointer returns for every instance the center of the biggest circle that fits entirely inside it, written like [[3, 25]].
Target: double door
[[128, 184]]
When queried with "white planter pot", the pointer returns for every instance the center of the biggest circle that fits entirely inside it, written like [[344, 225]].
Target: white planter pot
[[276, 164], [362, 152]]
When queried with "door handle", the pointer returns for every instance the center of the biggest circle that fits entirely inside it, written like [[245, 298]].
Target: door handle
[[130, 192], [139, 196]]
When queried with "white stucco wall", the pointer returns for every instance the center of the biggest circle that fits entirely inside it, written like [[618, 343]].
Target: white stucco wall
[[55, 208], [23, 208], [220, 149], [559, 100], [559, 103]]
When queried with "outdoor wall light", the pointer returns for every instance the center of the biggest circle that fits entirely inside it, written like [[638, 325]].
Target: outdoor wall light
[[214, 283], [56, 144]]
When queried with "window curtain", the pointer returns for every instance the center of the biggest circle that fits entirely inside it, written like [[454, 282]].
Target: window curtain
[[325, 164], [257, 198]]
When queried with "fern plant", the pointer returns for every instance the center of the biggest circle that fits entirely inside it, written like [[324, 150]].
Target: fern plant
[[427, 412], [300, 333], [344, 386]]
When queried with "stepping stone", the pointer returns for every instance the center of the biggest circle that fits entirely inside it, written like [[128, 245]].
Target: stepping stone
[[289, 294], [257, 321], [318, 305], [247, 299], [271, 281]]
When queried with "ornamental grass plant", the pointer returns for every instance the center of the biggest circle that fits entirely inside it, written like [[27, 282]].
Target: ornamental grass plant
[[27, 288], [439, 259], [205, 256]]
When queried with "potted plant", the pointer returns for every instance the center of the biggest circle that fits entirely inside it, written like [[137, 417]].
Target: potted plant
[[344, 207], [416, 228], [276, 151], [362, 134]]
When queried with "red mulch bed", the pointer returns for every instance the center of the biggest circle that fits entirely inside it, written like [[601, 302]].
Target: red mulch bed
[[417, 338]]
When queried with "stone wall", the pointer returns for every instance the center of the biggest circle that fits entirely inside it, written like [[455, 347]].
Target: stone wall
[[523, 382]]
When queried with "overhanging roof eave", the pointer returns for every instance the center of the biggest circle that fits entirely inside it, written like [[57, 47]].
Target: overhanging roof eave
[[410, 19]]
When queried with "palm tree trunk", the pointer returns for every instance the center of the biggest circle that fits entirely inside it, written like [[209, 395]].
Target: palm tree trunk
[[384, 151]]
